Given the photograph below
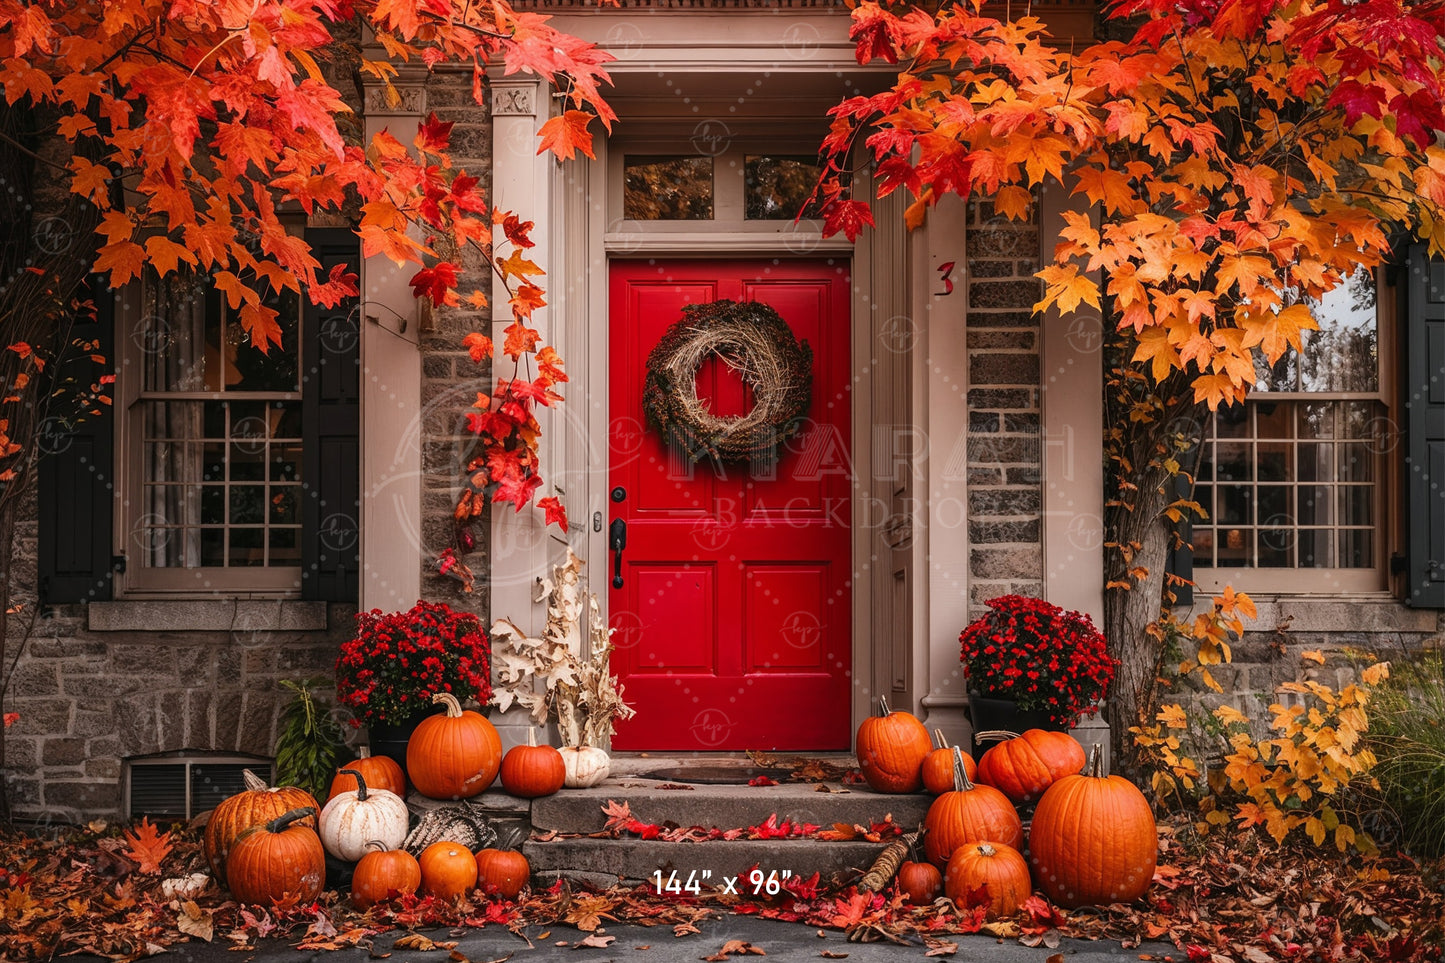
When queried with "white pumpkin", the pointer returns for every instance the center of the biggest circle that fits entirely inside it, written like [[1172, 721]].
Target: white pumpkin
[[360, 816], [586, 766]]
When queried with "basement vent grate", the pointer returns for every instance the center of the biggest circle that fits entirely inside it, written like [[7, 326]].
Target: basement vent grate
[[182, 786]]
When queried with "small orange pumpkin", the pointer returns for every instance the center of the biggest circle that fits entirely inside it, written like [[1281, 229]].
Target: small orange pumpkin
[[971, 813], [256, 804], [530, 771], [988, 873], [447, 869], [502, 872], [453, 756], [380, 772], [275, 858], [891, 750], [919, 882], [938, 766], [1023, 766], [1093, 840], [383, 874]]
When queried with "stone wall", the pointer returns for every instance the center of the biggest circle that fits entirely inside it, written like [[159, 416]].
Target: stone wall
[[1005, 494]]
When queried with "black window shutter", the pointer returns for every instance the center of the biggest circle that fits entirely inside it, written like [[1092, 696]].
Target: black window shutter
[[76, 473], [1425, 431], [330, 425]]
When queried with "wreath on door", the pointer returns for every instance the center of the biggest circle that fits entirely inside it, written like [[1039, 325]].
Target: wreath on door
[[754, 341]]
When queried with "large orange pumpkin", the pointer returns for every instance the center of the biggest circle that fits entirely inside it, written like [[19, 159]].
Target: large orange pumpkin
[[938, 766], [971, 813], [1093, 840], [256, 804], [502, 872], [380, 772], [530, 771], [383, 873], [1023, 766], [453, 756], [447, 869], [988, 873], [891, 750], [277, 857]]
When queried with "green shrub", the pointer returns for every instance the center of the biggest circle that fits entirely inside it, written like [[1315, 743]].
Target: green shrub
[[1407, 734]]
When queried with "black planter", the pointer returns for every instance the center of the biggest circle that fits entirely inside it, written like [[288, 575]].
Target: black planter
[[987, 712], [390, 738]]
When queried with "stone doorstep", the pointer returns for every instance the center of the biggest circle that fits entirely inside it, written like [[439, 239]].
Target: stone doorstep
[[635, 860]]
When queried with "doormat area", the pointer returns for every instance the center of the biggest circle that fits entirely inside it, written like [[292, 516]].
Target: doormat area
[[715, 775]]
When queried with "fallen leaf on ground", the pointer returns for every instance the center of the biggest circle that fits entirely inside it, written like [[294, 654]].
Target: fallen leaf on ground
[[937, 947], [594, 940]]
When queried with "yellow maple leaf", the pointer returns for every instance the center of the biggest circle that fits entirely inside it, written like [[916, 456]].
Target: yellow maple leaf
[[1066, 287], [517, 266]]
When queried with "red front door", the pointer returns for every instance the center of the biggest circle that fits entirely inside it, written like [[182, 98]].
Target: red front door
[[734, 617]]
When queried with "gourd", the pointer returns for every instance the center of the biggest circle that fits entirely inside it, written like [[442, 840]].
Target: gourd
[[355, 817], [971, 813], [531, 771], [381, 772], [502, 872], [1023, 766], [989, 873], [1093, 840], [447, 870], [891, 750], [277, 857], [938, 766], [919, 882], [382, 874], [585, 766], [254, 805], [453, 756]]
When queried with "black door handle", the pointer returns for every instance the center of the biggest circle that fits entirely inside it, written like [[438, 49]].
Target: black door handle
[[617, 541]]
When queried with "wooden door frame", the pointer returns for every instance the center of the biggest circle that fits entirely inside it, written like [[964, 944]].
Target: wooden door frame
[[585, 255]]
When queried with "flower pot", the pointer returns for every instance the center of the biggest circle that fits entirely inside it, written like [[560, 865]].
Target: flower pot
[[990, 712], [390, 738]]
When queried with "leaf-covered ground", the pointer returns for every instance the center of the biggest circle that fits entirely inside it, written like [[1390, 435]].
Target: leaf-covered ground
[[1228, 897]]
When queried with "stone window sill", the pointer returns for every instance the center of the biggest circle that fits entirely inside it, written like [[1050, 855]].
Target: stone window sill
[[207, 615], [1334, 613]]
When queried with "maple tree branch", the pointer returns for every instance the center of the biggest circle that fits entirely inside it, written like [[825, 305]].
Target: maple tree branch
[[32, 155]]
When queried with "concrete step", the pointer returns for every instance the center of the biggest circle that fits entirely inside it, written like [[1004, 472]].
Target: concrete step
[[602, 861], [723, 807]]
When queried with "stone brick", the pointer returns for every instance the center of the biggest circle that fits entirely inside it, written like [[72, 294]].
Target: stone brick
[[40, 717], [1004, 294], [98, 688], [985, 421], [258, 718], [1023, 475], [64, 649], [983, 476], [25, 794], [199, 727], [990, 269], [136, 724], [1003, 369], [105, 767], [1027, 423], [471, 141], [979, 338], [309, 659], [1002, 398], [993, 563], [85, 797], [63, 751], [988, 502], [979, 319], [984, 449], [984, 532], [21, 753], [228, 720], [91, 722], [143, 658], [171, 720], [35, 679], [1002, 242], [437, 366]]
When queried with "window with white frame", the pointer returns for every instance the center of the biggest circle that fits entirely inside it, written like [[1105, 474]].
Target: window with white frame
[[1293, 480], [211, 443]]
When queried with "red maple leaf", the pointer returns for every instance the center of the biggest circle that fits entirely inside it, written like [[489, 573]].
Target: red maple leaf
[[438, 284], [871, 30], [553, 511], [479, 346], [340, 284], [848, 216], [517, 230], [433, 136]]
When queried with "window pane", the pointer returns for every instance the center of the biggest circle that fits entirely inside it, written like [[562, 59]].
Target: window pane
[[1274, 461], [1235, 505], [658, 188], [285, 506], [247, 504], [1357, 464], [1316, 505], [1274, 506], [1316, 420], [1276, 548], [246, 548], [778, 188], [1343, 354], [171, 335], [1234, 548], [1232, 462], [283, 547], [1357, 548], [1316, 462], [1317, 549], [246, 368], [1357, 505]]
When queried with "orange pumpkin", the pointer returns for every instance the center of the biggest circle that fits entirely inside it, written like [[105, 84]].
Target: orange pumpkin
[[990, 874], [453, 756], [891, 750], [1093, 840], [1023, 766], [919, 882], [256, 804], [502, 872], [971, 813], [383, 874], [277, 857], [530, 771], [380, 772], [938, 766], [447, 869]]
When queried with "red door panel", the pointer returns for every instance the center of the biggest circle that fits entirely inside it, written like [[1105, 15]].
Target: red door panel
[[734, 618]]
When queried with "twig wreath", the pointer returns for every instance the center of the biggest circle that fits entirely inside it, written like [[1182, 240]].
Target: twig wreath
[[754, 341]]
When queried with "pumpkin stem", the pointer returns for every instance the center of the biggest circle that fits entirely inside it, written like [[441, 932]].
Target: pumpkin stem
[[283, 821], [360, 783], [454, 708], [374, 844], [1096, 761], [985, 849], [883, 709], [997, 734], [938, 741], [532, 737], [365, 753], [960, 777], [254, 782]]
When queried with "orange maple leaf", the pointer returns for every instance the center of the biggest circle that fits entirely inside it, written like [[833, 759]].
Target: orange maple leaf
[[567, 134], [148, 846]]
